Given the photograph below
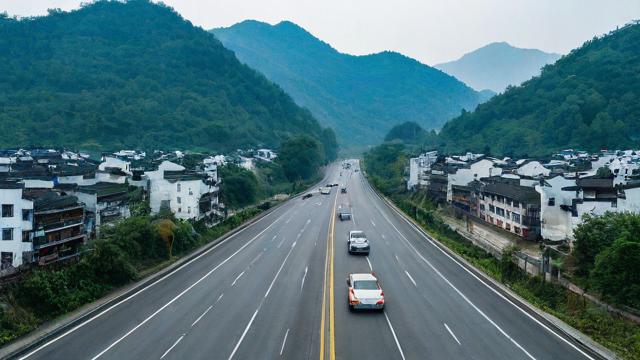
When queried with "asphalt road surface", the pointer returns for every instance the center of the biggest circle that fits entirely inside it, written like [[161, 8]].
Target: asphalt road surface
[[277, 290]]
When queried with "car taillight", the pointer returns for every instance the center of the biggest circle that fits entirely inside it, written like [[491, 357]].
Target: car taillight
[[382, 293], [380, 302]]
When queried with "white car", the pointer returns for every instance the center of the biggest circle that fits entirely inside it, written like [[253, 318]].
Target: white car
[[357, 242], [325, 191], [365, 292]]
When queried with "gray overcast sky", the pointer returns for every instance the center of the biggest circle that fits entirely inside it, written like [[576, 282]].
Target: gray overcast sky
[[428, 30]]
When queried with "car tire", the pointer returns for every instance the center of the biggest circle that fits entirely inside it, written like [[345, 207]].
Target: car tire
[[351, 308]]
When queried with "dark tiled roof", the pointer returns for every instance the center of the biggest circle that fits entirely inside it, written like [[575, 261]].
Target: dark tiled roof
[[7, 184], [595, 183], [523, 194], [104, 188], [50, 200]]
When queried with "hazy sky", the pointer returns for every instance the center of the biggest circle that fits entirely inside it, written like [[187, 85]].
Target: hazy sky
[[428, 30]]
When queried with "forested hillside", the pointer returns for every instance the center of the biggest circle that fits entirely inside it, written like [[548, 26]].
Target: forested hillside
[[360, 97], [589, 99], [119, 74]]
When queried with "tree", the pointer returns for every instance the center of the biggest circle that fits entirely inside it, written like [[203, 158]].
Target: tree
[[617, 272], [300, 157], [239, 186], [596, 233]]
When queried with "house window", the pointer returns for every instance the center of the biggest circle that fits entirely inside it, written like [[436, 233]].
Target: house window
[[492, 208], [179, 209], [507, 226], [499, 223], [26, 215], [515, 217], [552, 202], [189, 210], [7, 234], [500, 211], [516, 204], [7, 210], [516, 229], [178, 187], [190, 192], [179, 200], [482, 207], [25, 236]]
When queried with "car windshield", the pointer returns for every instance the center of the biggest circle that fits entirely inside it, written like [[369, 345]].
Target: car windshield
[[358, 235], [365, 285]]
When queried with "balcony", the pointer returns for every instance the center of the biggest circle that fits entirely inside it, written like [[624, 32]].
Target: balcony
[[40, 243], [66, 223]]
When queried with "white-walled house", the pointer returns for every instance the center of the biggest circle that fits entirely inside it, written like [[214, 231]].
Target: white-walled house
[[480, 169], [16, 215], [533, 169], [266, 154], [110, 162], [187, 195], [565, 201], [104, 203], [418, 168]]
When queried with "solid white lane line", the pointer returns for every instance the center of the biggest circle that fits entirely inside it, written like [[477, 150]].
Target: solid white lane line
[[284, 341], [370, 267], [372, 223], [452, 334], [410, 278], [170, 301], [421, 233], [464, 297], [201, 316], [219, 297], [172, 346], [238, 277], [246, 329], [280, 269], [304, 277], [394, 336]]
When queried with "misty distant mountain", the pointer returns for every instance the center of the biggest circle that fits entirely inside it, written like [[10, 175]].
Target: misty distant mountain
[[498, 65], [360, 97]]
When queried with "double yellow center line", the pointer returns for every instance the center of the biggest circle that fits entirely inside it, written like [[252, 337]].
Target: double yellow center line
[[328, 275]]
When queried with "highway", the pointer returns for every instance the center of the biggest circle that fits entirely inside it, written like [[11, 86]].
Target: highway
[[277, 290]]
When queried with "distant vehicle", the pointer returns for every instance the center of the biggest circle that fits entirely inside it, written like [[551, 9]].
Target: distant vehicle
[[306, 196], [344, 214], [325, 191], [343, 190], [365, 292], [356, 170], [335, 184], [357, 242]]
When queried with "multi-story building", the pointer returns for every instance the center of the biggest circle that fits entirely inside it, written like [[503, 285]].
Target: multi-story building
[[418, 169], [16, 216], [58, 226], [512, 207], [104, 203]]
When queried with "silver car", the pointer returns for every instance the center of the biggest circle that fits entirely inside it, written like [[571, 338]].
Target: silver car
[[357, 242]]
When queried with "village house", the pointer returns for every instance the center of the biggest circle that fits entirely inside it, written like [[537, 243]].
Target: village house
[[105, 203], [418, 169], [187, 194], [16, 216]]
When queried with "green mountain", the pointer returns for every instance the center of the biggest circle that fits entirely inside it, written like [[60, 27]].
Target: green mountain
[[589, 99], [360, 97], [117, 74], [498, 65]]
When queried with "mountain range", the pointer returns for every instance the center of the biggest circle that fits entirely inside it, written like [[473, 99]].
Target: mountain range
[[135, 74], [588, 99], [360, 97], [498, 65]]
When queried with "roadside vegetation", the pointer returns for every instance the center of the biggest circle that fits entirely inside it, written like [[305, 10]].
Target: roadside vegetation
[[615, 257]]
